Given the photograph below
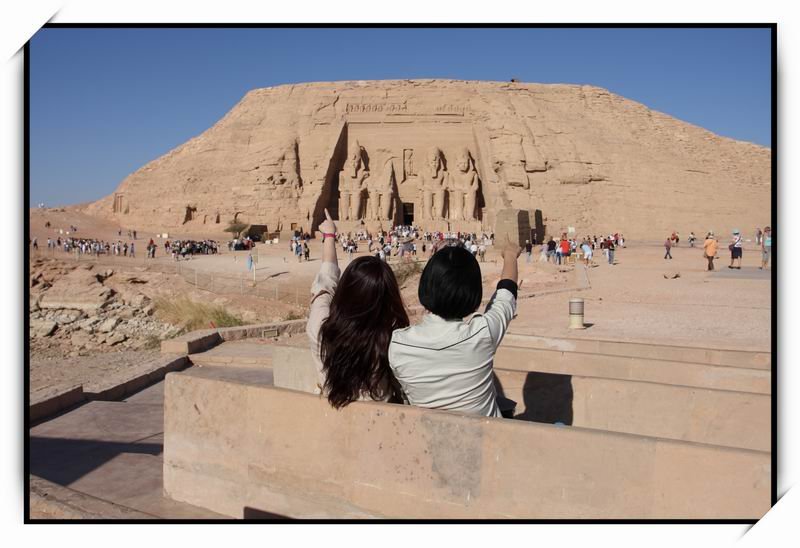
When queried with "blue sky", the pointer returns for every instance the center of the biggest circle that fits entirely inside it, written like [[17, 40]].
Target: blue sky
[[106, 101]]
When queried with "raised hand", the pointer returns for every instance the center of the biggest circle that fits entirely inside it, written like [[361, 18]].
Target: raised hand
[[327, 226], [510, 249]]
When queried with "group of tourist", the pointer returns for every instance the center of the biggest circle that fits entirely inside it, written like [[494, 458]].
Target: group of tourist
[[365, 348], [186, 249], [241, 244], [735, 246], [558, 252], [89, 246], [299, 247]]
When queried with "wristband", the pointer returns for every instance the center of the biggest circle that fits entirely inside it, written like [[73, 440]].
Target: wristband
[[328, 235]]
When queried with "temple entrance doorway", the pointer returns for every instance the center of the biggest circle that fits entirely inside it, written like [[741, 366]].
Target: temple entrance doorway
[[408, 214]]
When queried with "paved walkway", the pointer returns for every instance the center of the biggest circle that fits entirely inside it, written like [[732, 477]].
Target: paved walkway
[[112, 451]]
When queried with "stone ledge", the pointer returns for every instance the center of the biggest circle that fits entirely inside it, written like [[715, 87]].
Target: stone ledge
[[51, 501], [190, 343], [116, 387], [206, 339], [231, 444], [49, 400]]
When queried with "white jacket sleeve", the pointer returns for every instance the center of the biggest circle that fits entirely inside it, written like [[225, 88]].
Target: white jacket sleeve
[[322, 291], [499, 311]]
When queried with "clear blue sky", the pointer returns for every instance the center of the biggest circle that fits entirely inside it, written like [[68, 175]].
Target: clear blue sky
[[106, 101]]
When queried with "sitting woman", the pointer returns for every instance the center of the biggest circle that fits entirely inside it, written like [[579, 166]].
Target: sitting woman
[[350, 324], [447, 362]]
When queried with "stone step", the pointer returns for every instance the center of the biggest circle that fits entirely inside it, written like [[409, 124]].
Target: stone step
[[632, 368], [235, 353], [708, 356]]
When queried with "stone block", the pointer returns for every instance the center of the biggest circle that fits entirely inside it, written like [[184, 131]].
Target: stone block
[[514, 224], [232, 444], [716, 417], [293, 368]]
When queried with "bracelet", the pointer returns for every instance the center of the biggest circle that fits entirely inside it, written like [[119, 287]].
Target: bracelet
[[328, 235]]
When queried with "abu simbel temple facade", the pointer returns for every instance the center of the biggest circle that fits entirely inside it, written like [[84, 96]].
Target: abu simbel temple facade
[[448, 155]]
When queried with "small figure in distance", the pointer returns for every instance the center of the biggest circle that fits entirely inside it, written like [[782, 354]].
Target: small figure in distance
[[350, 323], [710, 249], [736, 250], [668, 247], [447, 361], [766, 247]]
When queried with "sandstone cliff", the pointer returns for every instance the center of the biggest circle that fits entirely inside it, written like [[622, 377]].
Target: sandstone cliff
[[585, 157]]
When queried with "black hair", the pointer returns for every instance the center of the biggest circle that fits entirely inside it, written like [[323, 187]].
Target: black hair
[[354, 339], [450, 285]]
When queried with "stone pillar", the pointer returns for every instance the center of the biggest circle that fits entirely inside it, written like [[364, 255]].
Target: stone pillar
[[515, 223]]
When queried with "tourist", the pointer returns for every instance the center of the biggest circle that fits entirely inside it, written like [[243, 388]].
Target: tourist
[[445, 362], [551, 250], [710, 249], [668, 247], [759, 235], [528, 251], [131, 251], [350, 323], [306, 251], [766, 247], [586, 248], [610, 251], [543, 253], [563, 250], [36, 244], [736, 250], [692, 239], [298, 250]]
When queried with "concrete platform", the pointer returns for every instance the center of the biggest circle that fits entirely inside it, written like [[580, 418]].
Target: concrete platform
[[231, 445], [111, 451]]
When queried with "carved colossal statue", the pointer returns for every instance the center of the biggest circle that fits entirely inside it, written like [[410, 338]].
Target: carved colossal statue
[[434, 183], [463, 188], [386, 190], [351, 184]]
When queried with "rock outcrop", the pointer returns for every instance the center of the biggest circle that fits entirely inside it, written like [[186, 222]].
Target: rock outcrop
[[446, 154]]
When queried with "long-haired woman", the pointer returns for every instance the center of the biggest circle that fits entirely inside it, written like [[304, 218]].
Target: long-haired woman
[[350, 325]]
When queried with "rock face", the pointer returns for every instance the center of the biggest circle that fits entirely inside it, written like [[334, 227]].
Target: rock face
[[444, 155]]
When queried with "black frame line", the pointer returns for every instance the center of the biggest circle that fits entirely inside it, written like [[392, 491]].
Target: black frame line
[[773, 280]]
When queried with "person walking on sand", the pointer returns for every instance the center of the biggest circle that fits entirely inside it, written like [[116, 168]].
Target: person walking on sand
[[710, 249], [610, 251], [736, 250], [668, 247], [692, 239], [528, 251], [766, 247]]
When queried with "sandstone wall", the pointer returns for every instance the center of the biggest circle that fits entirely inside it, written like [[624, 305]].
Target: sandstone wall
[[232, 444], [582, 156]]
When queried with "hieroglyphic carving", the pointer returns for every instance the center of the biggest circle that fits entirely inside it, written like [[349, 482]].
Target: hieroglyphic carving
[[408, 163]]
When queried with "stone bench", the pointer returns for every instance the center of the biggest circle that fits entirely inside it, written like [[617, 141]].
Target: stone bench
[[232, 441], [685, 413]]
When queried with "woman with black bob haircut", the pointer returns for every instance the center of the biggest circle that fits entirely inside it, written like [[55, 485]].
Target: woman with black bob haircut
[[446, 362], [450, 285], [350, 324]]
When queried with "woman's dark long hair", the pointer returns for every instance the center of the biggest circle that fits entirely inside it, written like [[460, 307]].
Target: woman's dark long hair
[[354, 340]]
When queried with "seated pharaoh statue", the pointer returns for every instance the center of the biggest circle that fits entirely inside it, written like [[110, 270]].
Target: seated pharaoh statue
[[463, 188], [351, 184], [434, 184]]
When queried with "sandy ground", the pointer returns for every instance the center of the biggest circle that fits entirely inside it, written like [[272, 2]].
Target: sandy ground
[[631, 301], [78, 370]]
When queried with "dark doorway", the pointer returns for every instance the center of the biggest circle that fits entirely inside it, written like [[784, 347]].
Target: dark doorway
[[408, 213]]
